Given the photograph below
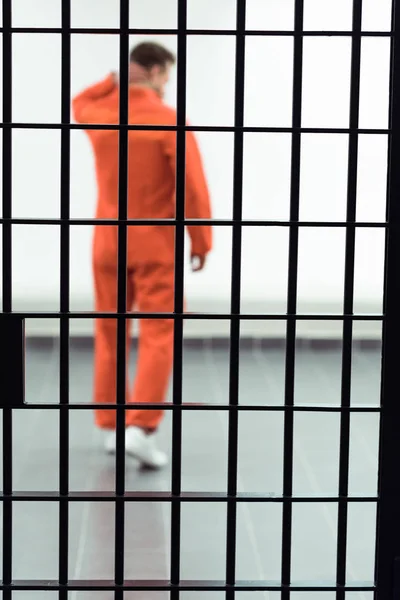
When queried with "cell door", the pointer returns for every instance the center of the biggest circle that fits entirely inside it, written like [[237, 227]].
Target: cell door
[[179, 535]]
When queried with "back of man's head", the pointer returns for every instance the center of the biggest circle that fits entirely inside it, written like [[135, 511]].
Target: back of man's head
[[151, 54], [150, 65]]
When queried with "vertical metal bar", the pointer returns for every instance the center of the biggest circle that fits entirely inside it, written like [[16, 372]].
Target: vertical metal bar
[[292, 300], [64, 295], [348, 302], [396, 578], [12, 366], [235, 300], [121, 301], [7, 287], [388, 533], [176, 482]]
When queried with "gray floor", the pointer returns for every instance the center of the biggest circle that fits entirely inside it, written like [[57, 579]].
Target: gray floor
[[204, 468]]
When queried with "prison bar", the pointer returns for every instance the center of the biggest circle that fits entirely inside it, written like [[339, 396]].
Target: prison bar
[[7, 292], [262, 498], [288, 433], [176, 475], [185, 586], [198, 32], [63, 555], [348, 304]]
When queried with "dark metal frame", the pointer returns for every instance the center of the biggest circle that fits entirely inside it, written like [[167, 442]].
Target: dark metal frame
[[387, 583]]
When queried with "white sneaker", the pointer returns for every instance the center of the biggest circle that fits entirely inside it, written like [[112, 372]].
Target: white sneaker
[[139, 445], [110, 442], [143, 448]]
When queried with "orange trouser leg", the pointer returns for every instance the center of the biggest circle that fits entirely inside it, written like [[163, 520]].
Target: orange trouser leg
[[105, 368], [154, 289]]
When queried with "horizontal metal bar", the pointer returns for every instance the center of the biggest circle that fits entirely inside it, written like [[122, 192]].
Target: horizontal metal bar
[[98, 496], [214, 32], [195, 128], [328, 408], [197, 222], [199, 316], [144, 585]]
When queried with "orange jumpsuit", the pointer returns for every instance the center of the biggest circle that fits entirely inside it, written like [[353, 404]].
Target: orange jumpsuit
[[150, 249]]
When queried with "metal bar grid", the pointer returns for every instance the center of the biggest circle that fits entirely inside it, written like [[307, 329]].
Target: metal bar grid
[[389, 487]]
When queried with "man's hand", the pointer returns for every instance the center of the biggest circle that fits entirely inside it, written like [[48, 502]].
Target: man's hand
[[198, 262]]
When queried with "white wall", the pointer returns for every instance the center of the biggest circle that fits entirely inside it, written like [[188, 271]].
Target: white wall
[[210, 101]]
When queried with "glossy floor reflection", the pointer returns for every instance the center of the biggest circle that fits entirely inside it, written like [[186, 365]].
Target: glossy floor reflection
[[204, 468]]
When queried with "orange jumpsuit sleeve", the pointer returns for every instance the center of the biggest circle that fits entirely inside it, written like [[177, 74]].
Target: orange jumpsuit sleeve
[[197, 198], [89, 106]]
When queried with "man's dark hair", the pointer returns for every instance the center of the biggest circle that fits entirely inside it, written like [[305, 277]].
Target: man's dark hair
[[149, 54]]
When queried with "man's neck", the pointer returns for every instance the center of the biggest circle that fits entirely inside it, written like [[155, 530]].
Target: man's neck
[[137, 85]]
